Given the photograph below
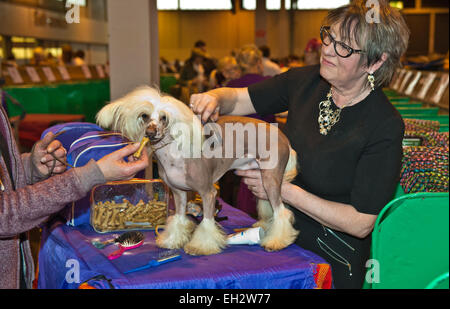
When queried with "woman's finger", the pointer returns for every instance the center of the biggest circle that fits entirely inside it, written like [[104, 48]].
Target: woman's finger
[[59, 169], [249, 173], [53, 146]]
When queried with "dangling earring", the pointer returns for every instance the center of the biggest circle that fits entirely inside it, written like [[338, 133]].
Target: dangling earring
[[371, 79]]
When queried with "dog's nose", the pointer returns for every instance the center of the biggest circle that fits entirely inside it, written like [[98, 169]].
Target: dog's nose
[[151, 130]]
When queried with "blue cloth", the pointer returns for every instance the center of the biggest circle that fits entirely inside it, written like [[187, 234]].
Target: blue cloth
[[71, 131], [237, 267]]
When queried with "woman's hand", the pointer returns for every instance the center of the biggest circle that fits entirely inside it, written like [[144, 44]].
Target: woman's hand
[[46, 153], [114, 167], [206, 105], [253, 180]]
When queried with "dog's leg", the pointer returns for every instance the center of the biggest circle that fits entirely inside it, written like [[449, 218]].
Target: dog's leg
[[179, 228], [265, 214], [208, 237], [280, 233]]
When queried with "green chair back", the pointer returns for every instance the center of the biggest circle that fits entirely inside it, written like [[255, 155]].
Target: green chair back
[[408, 105], [440, 282], [397, 99], [410, 241], [428, 111]]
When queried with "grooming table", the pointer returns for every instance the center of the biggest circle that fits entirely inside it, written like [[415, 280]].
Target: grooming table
[[65, 250]]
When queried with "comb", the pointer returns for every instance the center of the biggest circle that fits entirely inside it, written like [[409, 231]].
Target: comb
[[163, 258]]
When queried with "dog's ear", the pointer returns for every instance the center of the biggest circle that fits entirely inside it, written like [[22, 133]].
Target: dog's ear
[[107, 117]]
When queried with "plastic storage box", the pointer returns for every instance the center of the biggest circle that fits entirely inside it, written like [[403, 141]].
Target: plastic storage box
[[137, 204]]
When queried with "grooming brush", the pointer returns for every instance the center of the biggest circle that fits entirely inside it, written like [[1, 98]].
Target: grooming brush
[[165, 257], [144, 142], [103, 244], [130, 241]]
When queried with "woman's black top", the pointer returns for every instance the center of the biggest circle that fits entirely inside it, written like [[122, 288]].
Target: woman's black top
[[357, 163]]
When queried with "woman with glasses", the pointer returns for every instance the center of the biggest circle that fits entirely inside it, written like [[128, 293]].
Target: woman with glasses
[[347, 135]]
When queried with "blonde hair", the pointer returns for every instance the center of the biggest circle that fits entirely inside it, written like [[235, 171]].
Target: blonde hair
[[389, 35], [225, 62], [248, 57]]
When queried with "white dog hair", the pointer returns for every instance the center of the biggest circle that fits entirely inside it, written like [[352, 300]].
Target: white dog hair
[[133, 114], [117, 114]]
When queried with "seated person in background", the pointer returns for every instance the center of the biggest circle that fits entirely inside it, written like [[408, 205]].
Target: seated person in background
[[227, 70], [249, 59], [78, 59], [270, 67], [194, 72]]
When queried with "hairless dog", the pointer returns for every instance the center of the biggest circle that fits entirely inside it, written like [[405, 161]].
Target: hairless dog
[[192, 157]]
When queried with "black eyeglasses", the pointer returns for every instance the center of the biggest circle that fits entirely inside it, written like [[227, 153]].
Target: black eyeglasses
[[341, 49]]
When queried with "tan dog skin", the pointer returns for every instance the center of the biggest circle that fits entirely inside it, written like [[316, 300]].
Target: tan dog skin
[[145, 112]]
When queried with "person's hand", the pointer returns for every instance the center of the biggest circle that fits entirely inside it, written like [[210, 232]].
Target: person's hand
[[114, 167], [253, 180], [206, 105], [46, 153]]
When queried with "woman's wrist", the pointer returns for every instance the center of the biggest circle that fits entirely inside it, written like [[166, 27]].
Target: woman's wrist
[[226, 99], [287, 190]]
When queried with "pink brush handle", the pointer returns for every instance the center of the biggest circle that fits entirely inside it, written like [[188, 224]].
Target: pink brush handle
[[118, 253]]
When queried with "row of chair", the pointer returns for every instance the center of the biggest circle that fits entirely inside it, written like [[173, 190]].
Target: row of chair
[[410, 240]]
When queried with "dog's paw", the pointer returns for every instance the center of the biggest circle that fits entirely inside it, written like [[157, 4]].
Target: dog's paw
[[276, 244], [281, 233], [207, 239], [194, 249], [177, 233]]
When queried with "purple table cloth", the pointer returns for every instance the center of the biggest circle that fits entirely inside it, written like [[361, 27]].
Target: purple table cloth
[[67, 258]]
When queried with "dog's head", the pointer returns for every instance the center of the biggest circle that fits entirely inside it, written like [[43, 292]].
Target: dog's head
[[144, 112]]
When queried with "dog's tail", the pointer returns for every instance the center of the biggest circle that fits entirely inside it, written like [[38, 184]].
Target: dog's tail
[[291, 167]]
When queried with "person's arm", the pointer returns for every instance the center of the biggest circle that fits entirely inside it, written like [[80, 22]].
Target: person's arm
[[222, 101], [376, 177], [27, 207], [337, 216]]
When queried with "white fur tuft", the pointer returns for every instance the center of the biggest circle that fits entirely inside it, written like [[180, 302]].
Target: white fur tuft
[[281, 232], [177, 232], [207, 239]]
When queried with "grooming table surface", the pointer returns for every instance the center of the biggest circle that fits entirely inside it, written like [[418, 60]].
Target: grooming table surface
[[67, 258]]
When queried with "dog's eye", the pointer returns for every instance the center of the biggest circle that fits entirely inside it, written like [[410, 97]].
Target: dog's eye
[[145, 117], [163, 118]]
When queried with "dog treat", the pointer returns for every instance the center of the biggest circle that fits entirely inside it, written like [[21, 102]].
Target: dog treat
[[113, 216], [144, 142]]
